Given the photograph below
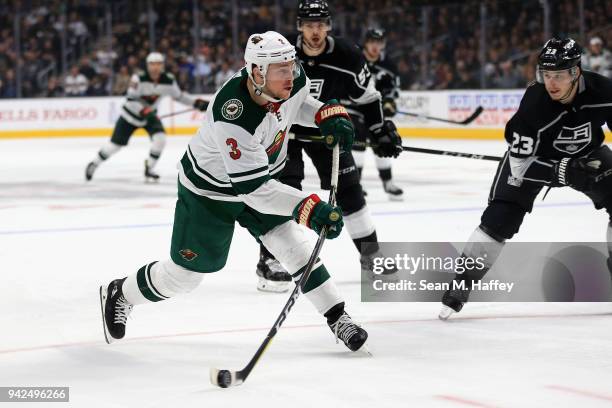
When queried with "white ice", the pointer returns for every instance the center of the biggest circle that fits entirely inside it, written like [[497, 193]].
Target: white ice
[[60, 238]]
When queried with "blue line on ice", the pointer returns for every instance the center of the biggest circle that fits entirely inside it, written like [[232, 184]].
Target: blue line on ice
[[374, 213]]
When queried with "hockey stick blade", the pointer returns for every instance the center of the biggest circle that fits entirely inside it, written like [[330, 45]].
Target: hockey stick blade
[[465, 121], [225, 378], [473, 116]]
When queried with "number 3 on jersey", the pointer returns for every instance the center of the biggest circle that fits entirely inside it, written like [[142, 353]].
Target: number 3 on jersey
[[521, 144], [234, 153]]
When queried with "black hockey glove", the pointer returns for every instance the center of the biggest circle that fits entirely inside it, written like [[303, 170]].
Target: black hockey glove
[[579, 173], [389, 107], [387, 141], [200, 104], [335, 125]]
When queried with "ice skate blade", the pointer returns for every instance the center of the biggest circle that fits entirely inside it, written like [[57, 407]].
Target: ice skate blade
[[264, 285], [365, 350], [396, 198], [103, 293], [445, 313]]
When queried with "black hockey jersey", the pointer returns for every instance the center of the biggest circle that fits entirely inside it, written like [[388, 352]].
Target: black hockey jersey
[[544, 131], [385, 75], [341, 73]]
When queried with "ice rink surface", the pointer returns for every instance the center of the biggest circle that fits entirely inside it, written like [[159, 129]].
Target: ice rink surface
[[60, 238]]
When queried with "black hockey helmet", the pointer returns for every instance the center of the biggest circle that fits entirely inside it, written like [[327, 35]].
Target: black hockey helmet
[[559, 54], [376, 34], [313, 10]]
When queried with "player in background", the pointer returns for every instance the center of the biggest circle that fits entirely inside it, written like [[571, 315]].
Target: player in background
[[555, 139], [140, 111], [228, 175], [387, 83], [336, 69]]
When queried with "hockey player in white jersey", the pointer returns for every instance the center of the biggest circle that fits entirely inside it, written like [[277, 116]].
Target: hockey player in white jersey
[[227, 176], [140, 111]]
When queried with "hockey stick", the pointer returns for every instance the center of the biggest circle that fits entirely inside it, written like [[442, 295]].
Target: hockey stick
[[465, 121], [167, 115], [450, 153], [319, 138], [229, 378]]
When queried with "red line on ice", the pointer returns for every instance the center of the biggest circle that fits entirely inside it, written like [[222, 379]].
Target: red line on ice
[[580, 392], [305, 326], [463, 401]]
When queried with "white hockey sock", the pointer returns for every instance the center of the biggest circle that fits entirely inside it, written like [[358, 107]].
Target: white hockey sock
[[359, 157], [158, 281], [383, 163], [292, 246], [158, 142], [481, 244], [105, 152], [359, 224], [325, 296]]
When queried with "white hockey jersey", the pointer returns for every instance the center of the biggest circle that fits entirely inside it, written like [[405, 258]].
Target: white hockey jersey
[[242, 145], [143, 92]]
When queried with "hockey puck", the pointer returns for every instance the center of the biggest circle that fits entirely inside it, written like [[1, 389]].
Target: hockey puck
[[224, 378]]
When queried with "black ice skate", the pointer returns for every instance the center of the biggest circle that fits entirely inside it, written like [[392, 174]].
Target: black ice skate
[[115, 310], [89, 170], [272, 277], [394, 192], [150, 175], [367, 265], [454, 298], [343, 327]]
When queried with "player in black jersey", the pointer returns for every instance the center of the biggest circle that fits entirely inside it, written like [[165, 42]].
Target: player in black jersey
[[387, 83], [337, 70], [555, 139]]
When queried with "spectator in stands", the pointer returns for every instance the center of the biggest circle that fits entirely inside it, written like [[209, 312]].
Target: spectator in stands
[[75, 83], [86, 68], [54, 89], [463, 79], [97, 86], [508, 77], [598, 59], [225, 73], [122, 81], [9, 88]]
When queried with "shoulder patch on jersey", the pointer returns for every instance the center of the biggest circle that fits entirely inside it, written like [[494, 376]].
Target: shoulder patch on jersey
[[233, 104], [232, 109]]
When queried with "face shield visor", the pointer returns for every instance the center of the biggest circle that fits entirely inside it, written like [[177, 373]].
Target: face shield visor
[[282, 71]]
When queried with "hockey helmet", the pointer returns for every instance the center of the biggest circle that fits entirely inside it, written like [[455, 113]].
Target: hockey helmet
[[265, 49], [313, 10], [375, 34], [155, 57], [559, 55]]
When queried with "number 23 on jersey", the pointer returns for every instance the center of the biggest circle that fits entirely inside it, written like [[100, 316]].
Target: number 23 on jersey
[[521, 144]]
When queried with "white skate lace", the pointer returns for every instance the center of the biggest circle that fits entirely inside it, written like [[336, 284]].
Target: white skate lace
[[122, 310], [344, 328]]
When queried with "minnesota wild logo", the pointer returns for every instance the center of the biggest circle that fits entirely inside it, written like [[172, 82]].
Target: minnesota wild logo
[[232, 109], [188, 254], [274, 149]]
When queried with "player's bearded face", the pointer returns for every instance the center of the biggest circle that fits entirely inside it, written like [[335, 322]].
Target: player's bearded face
[[314, 33], [558, 83], [279, 79]]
